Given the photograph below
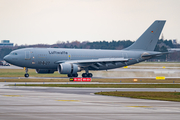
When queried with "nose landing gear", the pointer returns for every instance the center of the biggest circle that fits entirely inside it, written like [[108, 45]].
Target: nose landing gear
[[26, 75]]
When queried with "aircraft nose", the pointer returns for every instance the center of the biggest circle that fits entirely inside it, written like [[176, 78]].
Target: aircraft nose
[[6, 58]]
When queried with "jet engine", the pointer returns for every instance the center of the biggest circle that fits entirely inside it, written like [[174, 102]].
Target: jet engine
[[45, 71], [66, 68]]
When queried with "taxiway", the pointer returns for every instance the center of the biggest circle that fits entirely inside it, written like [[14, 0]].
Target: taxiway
[[44, 103], [37, 103]]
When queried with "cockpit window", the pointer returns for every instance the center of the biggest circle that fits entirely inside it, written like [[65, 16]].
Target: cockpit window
[[13, 53]]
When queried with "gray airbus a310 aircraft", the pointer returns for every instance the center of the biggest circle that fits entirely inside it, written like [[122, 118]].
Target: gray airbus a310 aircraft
[[72, 61]]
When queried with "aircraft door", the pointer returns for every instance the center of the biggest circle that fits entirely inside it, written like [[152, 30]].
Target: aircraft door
[[27, 55]]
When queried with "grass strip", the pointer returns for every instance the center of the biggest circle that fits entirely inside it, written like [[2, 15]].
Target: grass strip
[[93, 80], [34, 80], [166, 96], [21, 72], [140, 80], [106, 85]]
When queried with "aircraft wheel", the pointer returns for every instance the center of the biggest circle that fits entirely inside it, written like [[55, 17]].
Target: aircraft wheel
[[26, 75], [84, 75], [90, 75], [75, 75], [69, 75]]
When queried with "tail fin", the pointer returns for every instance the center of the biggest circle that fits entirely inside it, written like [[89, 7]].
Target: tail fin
[[148, 40]]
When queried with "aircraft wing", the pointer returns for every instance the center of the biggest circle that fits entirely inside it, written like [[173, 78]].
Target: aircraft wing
[[94, 62]]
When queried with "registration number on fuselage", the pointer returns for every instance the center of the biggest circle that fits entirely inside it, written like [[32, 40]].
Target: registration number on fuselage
[[43, 62]]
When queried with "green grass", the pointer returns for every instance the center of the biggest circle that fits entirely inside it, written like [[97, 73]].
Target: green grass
[[21, 72], [34, 80], [144, 80], [107, 85], [167, 96]]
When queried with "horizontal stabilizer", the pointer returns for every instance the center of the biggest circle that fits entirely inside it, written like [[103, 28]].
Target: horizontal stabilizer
[[173, 49], [156, 55]]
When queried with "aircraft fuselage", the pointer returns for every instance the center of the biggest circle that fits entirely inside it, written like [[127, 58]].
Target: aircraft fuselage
[[46, 58]]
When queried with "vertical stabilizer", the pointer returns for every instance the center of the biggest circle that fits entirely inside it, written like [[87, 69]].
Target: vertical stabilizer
[[148, 40]]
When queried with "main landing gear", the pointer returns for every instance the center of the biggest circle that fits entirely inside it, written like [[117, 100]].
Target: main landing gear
[[26, 75], [73, 75], [87, 74]]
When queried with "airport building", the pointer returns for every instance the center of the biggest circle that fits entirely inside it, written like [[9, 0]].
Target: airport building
[[6, 43]]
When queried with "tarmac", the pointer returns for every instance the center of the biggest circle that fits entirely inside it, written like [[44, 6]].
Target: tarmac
[[44, 103]]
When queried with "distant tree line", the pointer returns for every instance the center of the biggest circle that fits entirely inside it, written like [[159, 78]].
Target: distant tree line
[[161, 46]]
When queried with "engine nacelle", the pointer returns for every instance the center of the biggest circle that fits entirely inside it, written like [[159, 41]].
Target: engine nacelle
[[66, 68], [45, 71]]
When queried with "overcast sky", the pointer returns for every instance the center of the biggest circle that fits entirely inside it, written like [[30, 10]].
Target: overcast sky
[[48, 21]]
